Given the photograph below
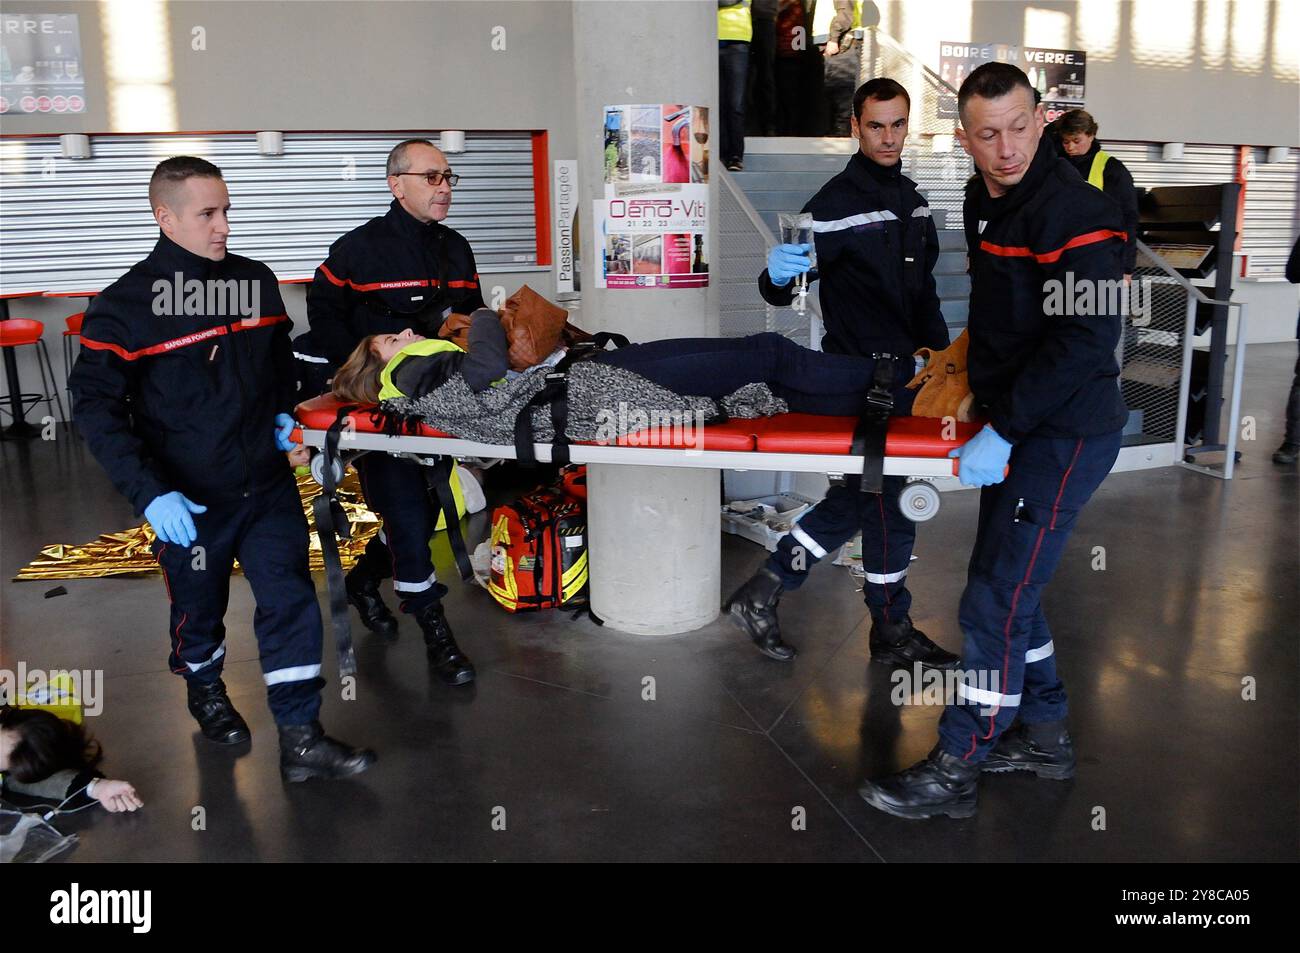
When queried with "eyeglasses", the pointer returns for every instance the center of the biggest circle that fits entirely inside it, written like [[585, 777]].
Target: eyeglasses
[[435, 178]]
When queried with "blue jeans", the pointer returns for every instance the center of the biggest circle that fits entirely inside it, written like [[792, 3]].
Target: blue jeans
[[733, 72], [1024, 524]]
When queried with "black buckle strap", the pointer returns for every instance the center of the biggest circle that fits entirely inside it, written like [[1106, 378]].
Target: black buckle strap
[[556, 393], [873, 425], [438, 476], [331, 524]]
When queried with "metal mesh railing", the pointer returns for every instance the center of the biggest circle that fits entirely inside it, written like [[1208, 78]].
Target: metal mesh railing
[[1163, 378], [1151, 350]]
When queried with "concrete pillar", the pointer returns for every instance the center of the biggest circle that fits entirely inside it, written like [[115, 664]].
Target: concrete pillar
[[655, 544], [654, 532]]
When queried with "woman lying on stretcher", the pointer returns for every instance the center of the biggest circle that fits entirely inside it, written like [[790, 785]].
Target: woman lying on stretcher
[[469, 393]]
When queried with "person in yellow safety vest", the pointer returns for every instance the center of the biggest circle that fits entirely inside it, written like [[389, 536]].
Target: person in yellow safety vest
[[833, 26], [735, 30], [1077, 133]]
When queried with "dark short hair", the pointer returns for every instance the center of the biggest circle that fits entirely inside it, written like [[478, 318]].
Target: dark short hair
[[46, 743], [397, 161], [991, 81], [1076, 121], [172, 172], [882, 89]]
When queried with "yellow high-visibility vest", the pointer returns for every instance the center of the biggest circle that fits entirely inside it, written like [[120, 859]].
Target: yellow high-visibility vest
[[387, 389], [735, 23], [825, 13], [1098, 168]]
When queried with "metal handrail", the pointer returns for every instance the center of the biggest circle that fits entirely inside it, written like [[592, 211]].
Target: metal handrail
[[1195, 295]]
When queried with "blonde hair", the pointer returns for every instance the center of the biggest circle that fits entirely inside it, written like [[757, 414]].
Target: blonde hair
[[357, 381]]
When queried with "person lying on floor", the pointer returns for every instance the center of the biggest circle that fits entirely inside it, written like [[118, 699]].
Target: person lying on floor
[[49, 759], [468, 393]]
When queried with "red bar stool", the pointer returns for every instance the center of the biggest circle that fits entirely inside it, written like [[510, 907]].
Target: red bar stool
[[21, 332], [70, 351]]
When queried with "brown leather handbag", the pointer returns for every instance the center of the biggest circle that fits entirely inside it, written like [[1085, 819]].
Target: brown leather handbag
[[534, 328], [943, 386]]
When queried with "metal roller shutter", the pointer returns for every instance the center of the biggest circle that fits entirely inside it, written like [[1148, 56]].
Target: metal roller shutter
[[77, 225], [1270, 227]]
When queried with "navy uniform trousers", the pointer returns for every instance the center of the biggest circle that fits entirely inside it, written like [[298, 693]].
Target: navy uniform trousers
[[398, 491], [1008, 659], [267, 533]]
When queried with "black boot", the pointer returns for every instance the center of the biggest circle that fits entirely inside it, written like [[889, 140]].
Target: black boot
[[1044, 748], [1287, 453], [445, 657], [941, 784], [899, 643], [307, 752], [753, 607], [217, 718], [362, 584]]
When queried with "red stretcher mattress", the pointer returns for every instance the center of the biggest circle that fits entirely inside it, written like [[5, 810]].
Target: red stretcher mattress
[[786, 433]]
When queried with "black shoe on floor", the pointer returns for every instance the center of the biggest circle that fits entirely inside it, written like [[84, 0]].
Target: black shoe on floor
[[1287, 453], [445, 657], [735, 165], [363, 593], [307, 752], [941, 784], [753, 607], [217, 718], [1045, 749], [900, 644]]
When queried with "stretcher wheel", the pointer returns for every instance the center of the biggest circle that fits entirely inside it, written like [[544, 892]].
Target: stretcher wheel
[[919, 501], [318, 469]]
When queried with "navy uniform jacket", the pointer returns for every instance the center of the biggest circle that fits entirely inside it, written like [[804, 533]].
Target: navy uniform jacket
[[1051, 375], [876, 250], [185, 401], [392, 273]]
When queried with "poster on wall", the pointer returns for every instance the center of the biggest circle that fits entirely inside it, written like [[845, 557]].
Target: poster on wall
[[1058, 75], [652, 223], [40, 64]]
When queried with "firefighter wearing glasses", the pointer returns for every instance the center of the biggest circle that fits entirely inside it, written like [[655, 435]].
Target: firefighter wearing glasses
[[404, 269]]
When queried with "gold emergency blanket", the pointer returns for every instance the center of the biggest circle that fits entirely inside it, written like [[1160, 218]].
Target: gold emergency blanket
[[127, 553]]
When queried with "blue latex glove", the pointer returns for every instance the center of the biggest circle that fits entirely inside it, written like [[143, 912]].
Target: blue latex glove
[[284, 425], [169, 515], [785, 262], [983, 458]]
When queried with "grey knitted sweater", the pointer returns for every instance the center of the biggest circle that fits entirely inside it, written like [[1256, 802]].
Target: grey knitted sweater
[[605, 402]]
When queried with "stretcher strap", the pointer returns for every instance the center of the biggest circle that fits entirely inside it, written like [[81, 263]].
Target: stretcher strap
[[439, 479], [555, 393], [873, 425], [332, 523]]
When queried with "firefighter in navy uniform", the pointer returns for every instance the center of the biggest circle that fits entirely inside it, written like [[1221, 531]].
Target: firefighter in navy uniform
[[401, 270], [1048, 383], [876, 251], [187, 409]]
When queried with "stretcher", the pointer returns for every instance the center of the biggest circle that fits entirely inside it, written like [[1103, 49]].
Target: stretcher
[[914, 447]]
